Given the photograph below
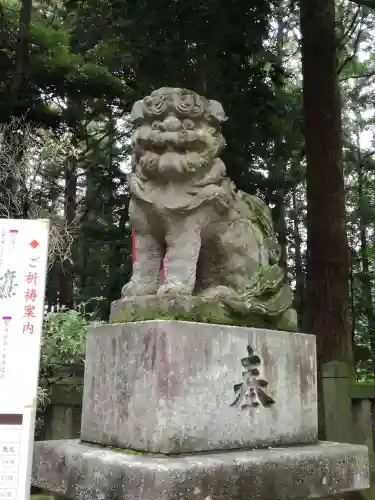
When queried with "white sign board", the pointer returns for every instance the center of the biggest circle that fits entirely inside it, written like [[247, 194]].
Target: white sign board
[[23, 264]]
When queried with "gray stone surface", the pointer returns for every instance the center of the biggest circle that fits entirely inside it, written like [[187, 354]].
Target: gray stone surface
[[168, 387], [86, 472]]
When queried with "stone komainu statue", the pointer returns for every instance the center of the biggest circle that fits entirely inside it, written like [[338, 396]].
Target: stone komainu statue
[[220, 240]]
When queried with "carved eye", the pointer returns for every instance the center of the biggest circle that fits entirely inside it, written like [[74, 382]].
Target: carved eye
[[188, 124]]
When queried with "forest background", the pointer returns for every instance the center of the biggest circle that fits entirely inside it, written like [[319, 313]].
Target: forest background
[[297, 80]]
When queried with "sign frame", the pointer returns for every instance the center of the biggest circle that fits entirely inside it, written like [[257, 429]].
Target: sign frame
[[23, 269]]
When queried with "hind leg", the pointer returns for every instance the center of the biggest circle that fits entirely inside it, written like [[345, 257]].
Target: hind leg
[[229, 258], [210, 280], [208, 274]]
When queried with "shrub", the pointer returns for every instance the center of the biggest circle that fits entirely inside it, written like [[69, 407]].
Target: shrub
[[63, 344]]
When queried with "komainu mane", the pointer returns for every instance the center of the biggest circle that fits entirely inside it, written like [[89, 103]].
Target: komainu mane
[[220, 240]]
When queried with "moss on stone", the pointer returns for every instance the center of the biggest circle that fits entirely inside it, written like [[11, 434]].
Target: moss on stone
[[203, 313], [127, 450], [195, 315]]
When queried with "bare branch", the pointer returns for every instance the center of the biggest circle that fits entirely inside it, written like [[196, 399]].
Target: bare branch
[[22, 155], [352, 26], [354, 53], [365, 75]]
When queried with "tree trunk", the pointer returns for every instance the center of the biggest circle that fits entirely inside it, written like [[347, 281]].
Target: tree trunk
[[86, 222], [327, 287], [66, 291], [365, 265], [22, 50], [13, 172], [74, 113], [278, 213], [279, 222], [114, 286], [353, 316], [365, 278], [300, 275]]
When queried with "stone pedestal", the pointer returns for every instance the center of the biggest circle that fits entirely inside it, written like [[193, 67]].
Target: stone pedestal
[[178, 387], [81, 471], [220, 412]]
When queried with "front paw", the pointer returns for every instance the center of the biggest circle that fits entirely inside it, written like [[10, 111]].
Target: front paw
[[134, 289], [175, 288]]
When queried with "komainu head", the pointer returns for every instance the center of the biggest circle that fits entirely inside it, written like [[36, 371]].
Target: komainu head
[[177, 134]]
